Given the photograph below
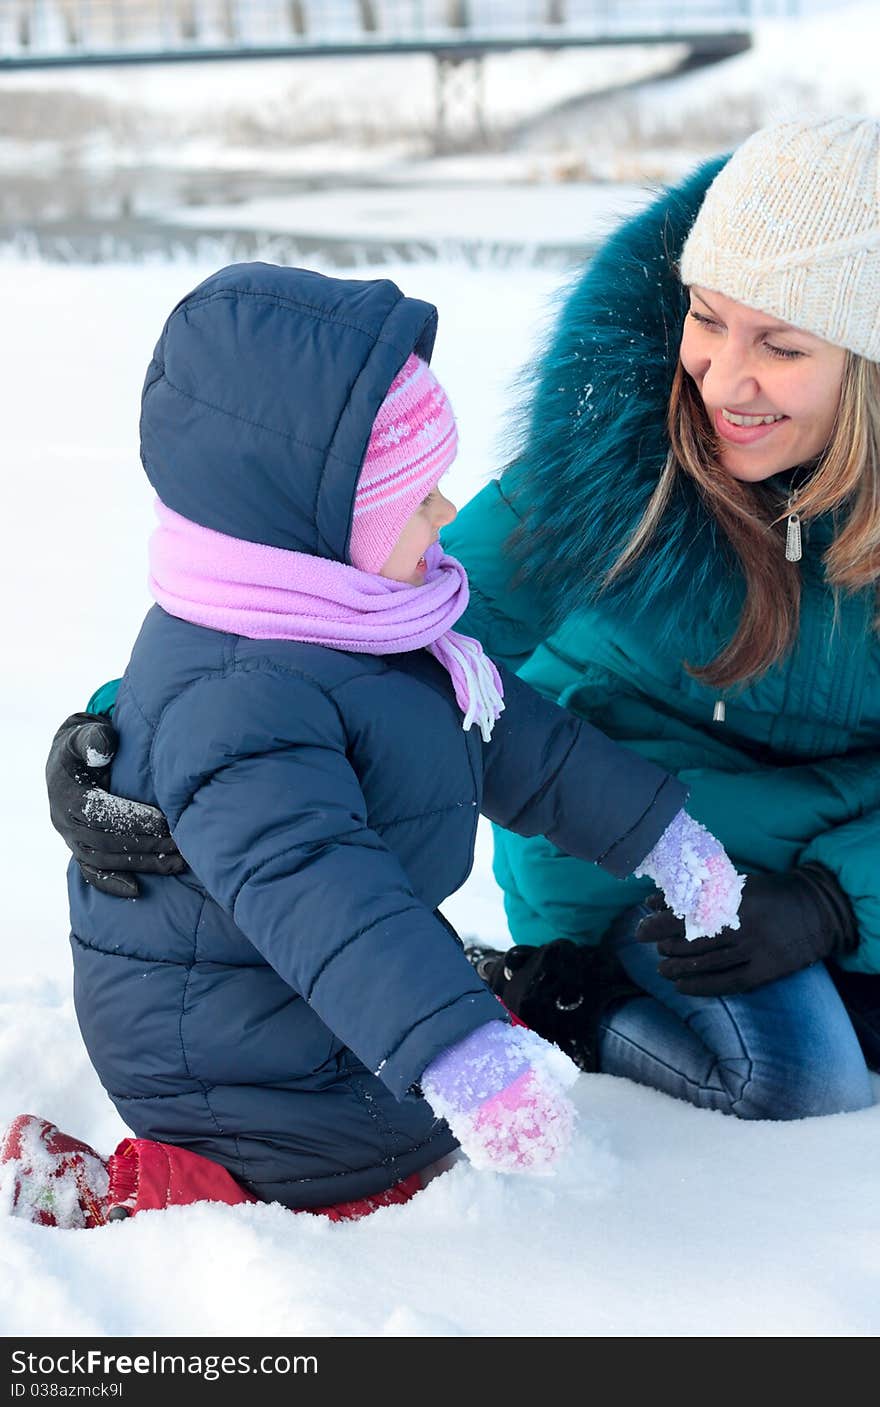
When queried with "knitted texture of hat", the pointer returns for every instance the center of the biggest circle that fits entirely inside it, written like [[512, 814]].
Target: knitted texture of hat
[[412, 444], [791, 227]]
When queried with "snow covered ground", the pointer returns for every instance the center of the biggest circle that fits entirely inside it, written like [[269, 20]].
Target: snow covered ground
[[666, 1221]]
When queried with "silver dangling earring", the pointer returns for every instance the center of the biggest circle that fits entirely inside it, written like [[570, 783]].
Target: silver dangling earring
[[793, 543]]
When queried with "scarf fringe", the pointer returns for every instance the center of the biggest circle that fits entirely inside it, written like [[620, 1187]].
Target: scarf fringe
[[478, 688]]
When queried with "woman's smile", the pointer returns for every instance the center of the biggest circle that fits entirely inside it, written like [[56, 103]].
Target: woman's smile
[[744, 429]]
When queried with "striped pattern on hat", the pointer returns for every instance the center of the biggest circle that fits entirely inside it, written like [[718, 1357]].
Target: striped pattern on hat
[[412, 444]]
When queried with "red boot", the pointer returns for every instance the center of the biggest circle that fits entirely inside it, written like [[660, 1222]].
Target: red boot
[[55, 1180]]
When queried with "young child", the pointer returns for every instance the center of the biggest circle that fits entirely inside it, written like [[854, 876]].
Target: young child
[[289, 1018]]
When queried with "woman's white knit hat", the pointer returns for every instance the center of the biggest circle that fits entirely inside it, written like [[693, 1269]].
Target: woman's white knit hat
[[791, 227]]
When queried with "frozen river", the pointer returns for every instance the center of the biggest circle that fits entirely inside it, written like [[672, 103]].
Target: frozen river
[[92, 214]]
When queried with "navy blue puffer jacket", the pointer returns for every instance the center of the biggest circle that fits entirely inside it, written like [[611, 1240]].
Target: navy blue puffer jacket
[[273, 1008]]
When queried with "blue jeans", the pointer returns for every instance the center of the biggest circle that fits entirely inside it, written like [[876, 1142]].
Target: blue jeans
[[787, 1050]]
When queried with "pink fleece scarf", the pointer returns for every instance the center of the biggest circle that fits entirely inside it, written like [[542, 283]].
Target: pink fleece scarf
[[268, 593]]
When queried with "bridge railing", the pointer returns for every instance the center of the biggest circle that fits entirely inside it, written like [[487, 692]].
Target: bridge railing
[[94, 25]]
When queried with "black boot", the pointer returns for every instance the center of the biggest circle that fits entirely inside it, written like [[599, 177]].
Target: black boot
[[561, 990]]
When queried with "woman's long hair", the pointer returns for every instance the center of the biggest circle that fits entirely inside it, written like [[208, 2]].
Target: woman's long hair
[[846, 475]]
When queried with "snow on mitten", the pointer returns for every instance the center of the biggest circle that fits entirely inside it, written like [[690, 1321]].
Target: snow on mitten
[[697, 878], [502, 1092]]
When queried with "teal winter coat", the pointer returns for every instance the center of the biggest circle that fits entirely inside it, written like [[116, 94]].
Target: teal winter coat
[[793, 773]]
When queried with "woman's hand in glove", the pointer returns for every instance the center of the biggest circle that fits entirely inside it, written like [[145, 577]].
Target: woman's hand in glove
[[787, 921], [502, 1092], [110, 836]]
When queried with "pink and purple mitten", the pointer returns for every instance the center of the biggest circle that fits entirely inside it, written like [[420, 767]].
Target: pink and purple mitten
[[502, 1092], [697, 878]]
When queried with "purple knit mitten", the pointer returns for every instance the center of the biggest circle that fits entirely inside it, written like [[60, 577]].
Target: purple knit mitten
[[696, 876], [502, 1092]]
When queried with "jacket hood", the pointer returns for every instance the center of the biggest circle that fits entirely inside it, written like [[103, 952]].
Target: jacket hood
[[594, 439], [260, 398]]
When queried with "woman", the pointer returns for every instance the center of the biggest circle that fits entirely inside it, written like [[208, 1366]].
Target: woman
[[707, 596], [686, 552]]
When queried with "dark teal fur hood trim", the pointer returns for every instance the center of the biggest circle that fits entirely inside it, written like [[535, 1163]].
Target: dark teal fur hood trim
[[595, 441]]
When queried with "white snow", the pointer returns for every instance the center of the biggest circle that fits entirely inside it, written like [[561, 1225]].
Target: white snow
[[97, 759], [663, 1220], [101, 808], [509, 216]]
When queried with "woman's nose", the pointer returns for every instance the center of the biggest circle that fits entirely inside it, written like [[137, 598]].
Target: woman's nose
[[730, 378]]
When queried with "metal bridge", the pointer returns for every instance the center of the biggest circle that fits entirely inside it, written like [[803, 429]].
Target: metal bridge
[[458, 33], [40, 33]]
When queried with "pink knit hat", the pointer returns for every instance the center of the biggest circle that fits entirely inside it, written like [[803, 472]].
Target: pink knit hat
[[412, 444]]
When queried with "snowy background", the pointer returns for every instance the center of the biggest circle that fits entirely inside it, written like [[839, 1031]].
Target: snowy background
[[666, 1221]]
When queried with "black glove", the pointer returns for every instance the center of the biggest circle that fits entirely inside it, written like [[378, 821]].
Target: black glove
[[787, 921], [109, 836], [561, 990]]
